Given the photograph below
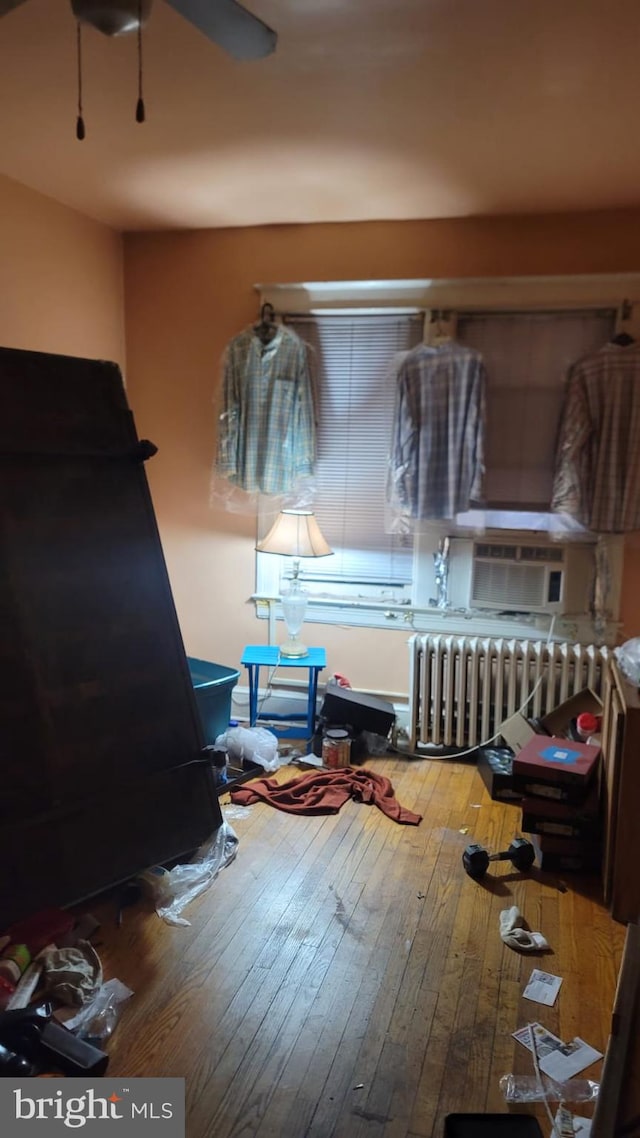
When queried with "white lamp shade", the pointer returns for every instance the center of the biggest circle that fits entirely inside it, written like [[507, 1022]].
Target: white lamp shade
[[295, 533]]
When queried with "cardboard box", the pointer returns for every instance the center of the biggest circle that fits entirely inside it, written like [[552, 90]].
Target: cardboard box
[[517, 731], [495, 765], [344, 707], [564, 820], [566, 854], [555, 768]]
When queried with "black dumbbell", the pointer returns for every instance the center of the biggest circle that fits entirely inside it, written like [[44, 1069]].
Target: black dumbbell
[[475, 859]]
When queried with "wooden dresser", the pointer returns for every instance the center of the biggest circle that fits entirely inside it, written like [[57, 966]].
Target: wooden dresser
[[621, 792], [618, 1107]]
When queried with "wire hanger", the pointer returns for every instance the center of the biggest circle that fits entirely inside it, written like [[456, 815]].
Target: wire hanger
[[266, 328], [623, 339]]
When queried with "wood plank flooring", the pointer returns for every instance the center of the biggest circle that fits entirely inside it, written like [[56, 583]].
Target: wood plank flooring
[[343, 976]]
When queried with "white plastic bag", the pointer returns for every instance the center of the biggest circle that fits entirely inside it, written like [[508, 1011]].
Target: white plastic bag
[[253, 743], [628, 657]]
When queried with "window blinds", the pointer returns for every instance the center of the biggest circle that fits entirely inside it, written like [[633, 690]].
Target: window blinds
[[356, 394]]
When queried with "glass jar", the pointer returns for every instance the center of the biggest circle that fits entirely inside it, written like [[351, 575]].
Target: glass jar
[[336, 748]]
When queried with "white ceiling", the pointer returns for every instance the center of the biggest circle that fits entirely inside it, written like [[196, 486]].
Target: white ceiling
[[369, 109]]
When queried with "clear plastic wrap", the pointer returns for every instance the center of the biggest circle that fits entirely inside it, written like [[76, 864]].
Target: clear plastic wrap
[[233, 811], [566, 1122], [375, 744], [97, 1019], [224, 494], [528, 1088], [172, 890]]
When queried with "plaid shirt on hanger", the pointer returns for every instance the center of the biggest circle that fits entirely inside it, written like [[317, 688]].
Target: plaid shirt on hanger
[[597, 478], [266, 429], [437, 453]]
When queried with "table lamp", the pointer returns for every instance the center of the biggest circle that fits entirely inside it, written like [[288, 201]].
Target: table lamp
[[296, 534]]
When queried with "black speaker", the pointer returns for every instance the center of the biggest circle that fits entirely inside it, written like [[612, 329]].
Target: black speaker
[[360, 712]]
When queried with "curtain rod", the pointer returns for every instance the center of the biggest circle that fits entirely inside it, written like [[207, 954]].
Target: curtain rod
[[464, 311], [357, 313], [564, 310]]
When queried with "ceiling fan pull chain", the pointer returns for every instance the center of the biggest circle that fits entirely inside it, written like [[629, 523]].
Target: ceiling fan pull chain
[[140, 111], [80, 131]]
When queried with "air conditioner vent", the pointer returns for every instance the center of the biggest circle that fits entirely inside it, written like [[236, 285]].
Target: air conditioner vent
[[493, 551], [513, 586], [496, 552], [541, 553]]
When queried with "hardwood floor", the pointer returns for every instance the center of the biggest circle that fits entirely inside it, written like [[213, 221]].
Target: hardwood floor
[[344, 977]]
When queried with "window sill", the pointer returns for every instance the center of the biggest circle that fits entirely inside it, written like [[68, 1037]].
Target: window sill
[[460, 622]]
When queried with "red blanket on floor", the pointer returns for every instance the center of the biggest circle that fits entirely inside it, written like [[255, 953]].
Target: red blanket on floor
[[324, 792]]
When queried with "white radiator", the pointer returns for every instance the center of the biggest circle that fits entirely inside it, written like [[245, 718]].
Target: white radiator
[[462, 688]]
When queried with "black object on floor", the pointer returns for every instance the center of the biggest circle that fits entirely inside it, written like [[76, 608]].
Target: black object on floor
[[491, 1126], [239, 774]]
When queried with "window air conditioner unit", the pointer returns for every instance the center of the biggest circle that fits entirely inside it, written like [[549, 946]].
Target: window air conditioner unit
[[520, 576]]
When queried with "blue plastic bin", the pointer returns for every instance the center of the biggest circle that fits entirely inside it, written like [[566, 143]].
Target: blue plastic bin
[[213, 685]]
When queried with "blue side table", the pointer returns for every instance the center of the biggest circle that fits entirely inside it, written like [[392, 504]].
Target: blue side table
[[255, 656]]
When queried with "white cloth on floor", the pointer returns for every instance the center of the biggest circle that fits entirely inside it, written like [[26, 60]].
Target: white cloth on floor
[[513, 934], [72, 975]]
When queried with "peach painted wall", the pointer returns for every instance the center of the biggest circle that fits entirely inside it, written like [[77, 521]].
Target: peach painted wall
[[61, 278], [188, 293]]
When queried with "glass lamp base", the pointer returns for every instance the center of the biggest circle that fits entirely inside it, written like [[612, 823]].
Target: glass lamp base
[[294, 604], [293, 647]]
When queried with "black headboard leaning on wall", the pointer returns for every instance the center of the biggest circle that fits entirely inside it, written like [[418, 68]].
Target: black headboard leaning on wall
[[101, 768]]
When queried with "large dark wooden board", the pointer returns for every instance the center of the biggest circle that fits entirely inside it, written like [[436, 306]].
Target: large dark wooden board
[[95, 691]]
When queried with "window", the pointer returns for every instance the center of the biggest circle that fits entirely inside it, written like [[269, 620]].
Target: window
[[356, 393], [375, 577]]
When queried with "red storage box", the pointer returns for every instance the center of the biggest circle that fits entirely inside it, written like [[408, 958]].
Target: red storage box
[[555, 768]]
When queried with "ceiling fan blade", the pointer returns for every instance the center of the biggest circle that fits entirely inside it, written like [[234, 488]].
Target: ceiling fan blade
[[7, 5], [230, 25]]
